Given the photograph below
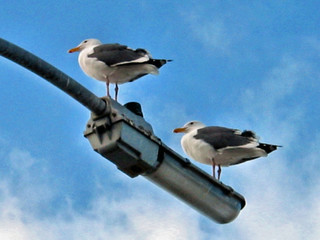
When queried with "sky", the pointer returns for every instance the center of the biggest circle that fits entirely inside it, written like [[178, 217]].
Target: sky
[[239, 64]]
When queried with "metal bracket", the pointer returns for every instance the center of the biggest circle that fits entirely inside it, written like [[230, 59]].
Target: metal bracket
[[124, 139]]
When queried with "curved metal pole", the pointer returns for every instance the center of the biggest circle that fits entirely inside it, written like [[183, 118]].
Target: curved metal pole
[[53, 75]]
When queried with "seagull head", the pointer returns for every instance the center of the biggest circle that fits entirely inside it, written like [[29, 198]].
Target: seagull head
[[189, 127], [84, 44]]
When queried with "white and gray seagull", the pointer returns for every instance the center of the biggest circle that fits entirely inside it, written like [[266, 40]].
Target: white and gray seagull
[[115, 63], [220, 146]]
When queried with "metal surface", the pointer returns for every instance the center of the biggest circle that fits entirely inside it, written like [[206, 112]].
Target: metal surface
[[196, 188], [53, 75], [124, 138]]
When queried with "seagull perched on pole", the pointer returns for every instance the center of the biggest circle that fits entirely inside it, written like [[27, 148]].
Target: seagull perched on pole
[[115, 63], [220, 146]]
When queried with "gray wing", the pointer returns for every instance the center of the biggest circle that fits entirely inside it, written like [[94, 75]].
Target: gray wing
[[109, 47], [113, 54], [220, 137]]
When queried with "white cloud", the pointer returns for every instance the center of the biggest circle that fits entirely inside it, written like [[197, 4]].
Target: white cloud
[[280, 83], [275, 210], [214, 34], [144, 214], [279, 203], [136, 217], [29, 177], [281, 190]]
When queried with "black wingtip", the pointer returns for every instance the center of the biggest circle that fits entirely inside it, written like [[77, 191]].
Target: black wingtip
[[159, 62], [248, 134], [268, 147]]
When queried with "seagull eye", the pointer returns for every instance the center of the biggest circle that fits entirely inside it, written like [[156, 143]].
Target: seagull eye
[[191, 123], [85, 41]]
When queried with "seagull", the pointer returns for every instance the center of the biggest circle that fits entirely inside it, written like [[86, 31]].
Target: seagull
[[115, 63], [221, 146]]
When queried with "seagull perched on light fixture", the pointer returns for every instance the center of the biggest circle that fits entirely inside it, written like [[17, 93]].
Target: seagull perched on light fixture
[[115, 63], [220, 146]]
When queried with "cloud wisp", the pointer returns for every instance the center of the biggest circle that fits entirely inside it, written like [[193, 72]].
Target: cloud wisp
[[137, 216]]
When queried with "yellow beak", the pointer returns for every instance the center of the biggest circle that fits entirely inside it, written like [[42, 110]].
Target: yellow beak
[[179, 130], [76, 49]]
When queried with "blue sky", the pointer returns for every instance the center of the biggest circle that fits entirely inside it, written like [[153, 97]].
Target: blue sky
[[241, 65]]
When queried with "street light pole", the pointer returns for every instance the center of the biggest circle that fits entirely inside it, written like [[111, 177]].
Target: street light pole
[[52, 74], [126, 139]]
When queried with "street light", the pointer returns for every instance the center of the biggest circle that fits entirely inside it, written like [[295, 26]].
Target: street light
[[126, 139]]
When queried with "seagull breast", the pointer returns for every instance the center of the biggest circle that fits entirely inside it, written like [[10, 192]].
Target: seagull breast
[[92, 66], [197, 149]]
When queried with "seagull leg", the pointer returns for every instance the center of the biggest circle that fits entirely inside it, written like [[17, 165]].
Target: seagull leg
[[107, 84], [219, 172], [213, 170], [116, 92]]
